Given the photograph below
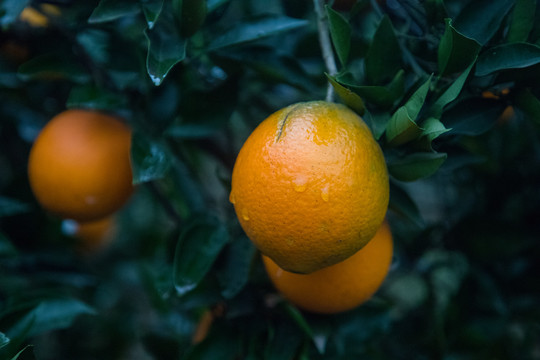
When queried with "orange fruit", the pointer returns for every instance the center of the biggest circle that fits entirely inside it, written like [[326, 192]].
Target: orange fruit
[[37, 18], [79, 166], [310, 185], [339, 287], [92, 236]]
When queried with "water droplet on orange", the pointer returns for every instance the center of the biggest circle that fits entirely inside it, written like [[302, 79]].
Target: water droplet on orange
[[245, 214], [325, 193], [232, 198]]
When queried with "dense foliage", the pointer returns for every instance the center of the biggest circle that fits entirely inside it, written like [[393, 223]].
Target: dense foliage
[[449, 88]]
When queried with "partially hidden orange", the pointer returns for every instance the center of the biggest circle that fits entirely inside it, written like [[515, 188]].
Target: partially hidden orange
[[310, 185], [340, 287]]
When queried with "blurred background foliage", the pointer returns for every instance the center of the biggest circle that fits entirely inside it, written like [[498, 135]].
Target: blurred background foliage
[[449, 88]]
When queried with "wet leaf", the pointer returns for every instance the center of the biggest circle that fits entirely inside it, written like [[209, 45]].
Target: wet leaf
[[450, 94], [150, 160], [152, 10], [166, 48], [53, 66]]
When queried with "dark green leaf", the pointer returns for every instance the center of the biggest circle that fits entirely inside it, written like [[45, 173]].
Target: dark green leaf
[[10, 11], [152, 10], [256, 29], [235, 273], [384, 96], [4, 340], [383, 59], [298, 318], [149, 159], [109, 10], [402, 127], [473, 117], [9, 207], [51, 315], [193, 16], [349, 98], [198, 247], [482, 28], [507, 56], [340, 30], [166, 48], [284, 343], [402, 204], [20, 352], [522, 20], [415, 166], [450, 94], [92, 97], [53, 66], [281, 68], [96, 44], [456, 51], [529, 104]]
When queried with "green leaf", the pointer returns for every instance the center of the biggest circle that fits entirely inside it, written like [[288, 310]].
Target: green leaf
[[6, 247], [53, 66], [53, 314], [96, 44], [10, 11], [198, 247], [108, 10], [93, 97], [4, 340], [20, 352], [522, 20], [415, 166], [9, 207], [473, 116], [166, 48], [193, 16], [152, 10], [255, 29], [284, 342], [384, 96], [450, 94], [402, 204], [529, 104], [349, 98], [149, 159], [482, 28], [298, 318], [455, 51], [340, 31], [402, 127], [432, 128], [383, 59], [507, 56], [235, 274]]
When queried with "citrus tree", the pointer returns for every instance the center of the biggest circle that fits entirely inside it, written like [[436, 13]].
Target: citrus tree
[[120, 237]]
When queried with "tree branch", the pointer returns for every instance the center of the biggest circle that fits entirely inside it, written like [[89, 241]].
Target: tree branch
[[326, 45]]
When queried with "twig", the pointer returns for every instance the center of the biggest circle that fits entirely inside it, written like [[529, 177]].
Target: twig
[[326, 45]]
